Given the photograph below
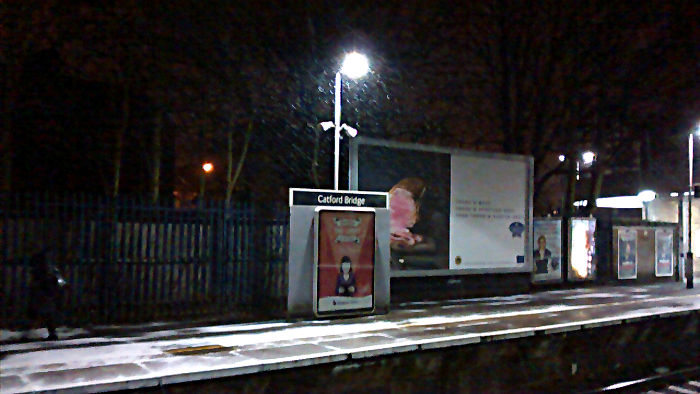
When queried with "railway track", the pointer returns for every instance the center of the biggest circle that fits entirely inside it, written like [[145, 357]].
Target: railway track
[[682, 381]]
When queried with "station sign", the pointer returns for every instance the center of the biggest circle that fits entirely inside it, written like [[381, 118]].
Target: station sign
[[329, 198]]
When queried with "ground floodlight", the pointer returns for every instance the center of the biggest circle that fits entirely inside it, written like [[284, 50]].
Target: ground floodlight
[[352, 132]]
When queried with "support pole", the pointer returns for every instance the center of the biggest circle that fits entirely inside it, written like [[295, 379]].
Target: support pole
[[689, 257], [337, 130]]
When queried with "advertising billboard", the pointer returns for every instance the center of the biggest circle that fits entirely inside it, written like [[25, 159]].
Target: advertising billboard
[[344, 260], [664, 252], [582, 249], [452, 211], [487, 213], [546, 253], [626, 253]]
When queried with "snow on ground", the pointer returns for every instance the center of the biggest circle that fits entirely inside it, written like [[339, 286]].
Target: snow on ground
[[596, 295], [40, 333], [80, 357], [239, 343], [131, 352]]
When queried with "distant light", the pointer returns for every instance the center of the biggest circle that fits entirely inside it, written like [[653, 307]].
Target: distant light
[[697, 129], [646, 195], [620, 202], [208, 167], [562, 158], [688, 193], [355, 65], [588, 157], [674, 194]]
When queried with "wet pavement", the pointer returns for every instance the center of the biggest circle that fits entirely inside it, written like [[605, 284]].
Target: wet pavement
[[159, 357]]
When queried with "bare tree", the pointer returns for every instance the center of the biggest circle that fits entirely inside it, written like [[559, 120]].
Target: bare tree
[[28, 27]]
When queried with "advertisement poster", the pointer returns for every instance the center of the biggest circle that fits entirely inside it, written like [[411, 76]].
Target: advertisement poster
[[418, 183], [345, 271], [546, 255], [487, 213], [626, 253], [582, 251], [449, 210], [664, 252]]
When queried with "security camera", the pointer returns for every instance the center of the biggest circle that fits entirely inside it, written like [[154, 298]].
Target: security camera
[[327, 125], [352, 132]]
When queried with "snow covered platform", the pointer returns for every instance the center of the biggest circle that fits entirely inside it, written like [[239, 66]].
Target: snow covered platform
[[157, 357]]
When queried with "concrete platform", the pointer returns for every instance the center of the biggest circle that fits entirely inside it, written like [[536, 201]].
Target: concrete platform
[[161, 357]]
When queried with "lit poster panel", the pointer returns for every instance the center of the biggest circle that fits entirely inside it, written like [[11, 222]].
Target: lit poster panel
[[664, 252], [345, 261], [582, 249], [451, 210], [487, 213], [626, 253], [546, 255]]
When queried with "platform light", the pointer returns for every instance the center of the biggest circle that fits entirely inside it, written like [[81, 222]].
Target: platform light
[[355, 65], [562, 158], [588, 157], [646, 195]]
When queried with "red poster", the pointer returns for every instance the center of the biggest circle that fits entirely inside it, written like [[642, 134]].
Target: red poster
[[345, 275]]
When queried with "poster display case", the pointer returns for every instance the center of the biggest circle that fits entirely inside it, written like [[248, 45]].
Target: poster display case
[[547, 250], [582, 253]]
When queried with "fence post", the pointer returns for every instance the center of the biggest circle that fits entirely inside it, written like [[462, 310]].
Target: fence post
[[258, 260], [107, 230], [217, 256]]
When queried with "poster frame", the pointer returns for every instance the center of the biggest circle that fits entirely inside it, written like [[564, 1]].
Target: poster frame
[[620, 230], [570, 242], [560, 279], [317, 234], [353, 176], [656, 252]]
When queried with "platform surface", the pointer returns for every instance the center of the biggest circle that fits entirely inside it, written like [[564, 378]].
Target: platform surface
[[157, 356]]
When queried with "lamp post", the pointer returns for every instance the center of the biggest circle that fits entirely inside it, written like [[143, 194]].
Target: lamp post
[[206, 169], [354, 66], [689, 256]]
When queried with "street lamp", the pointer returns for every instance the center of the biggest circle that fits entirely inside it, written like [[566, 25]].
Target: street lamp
[[354, 66], [689, 256], [206, 169], [646, 195], [587, 159]]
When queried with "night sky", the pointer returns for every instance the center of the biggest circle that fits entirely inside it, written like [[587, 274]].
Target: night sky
[[538, 78]]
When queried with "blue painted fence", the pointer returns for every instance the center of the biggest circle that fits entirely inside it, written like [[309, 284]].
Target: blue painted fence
[[127, 260]]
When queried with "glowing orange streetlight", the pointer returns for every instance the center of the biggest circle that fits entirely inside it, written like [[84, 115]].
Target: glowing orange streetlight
[[207, 167]]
